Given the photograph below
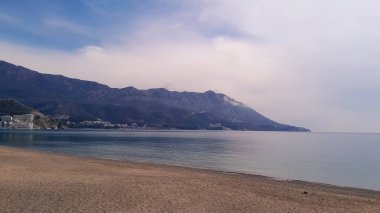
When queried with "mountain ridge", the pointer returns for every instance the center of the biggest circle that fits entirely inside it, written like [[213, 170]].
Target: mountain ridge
[[157, 107]]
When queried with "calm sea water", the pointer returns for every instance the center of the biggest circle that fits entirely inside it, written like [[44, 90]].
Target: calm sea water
[[340, 159]]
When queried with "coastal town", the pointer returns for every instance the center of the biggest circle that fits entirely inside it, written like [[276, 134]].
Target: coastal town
[[24, 121], [27, 121]]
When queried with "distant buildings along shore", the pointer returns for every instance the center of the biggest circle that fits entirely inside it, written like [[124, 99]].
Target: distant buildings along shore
[[17, 121]]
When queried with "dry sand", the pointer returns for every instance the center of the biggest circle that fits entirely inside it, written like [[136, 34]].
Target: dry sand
[[39, 182]]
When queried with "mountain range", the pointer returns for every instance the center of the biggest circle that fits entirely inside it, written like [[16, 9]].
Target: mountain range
[[159, 108]]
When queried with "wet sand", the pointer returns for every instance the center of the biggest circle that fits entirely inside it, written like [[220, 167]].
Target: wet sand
[[40, 182]]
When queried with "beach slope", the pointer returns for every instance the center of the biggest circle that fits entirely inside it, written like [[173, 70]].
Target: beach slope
[[39, 182]]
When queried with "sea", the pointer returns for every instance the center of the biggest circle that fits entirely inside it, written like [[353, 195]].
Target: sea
[[343, 159]]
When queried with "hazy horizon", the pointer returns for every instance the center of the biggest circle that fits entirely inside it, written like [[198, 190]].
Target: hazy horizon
[[309, 64]]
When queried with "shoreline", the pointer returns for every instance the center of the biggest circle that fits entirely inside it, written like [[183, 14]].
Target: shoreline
[[93, 179], [156, 164]]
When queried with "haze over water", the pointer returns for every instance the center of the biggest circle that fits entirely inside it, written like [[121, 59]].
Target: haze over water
[[333, 158]]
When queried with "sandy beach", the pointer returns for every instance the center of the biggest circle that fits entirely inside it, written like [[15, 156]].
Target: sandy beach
[[31, 181]]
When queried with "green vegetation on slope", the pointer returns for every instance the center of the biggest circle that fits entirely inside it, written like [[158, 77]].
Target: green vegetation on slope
[[12, 107]]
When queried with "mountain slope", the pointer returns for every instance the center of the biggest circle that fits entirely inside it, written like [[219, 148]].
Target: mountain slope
[[159, 108], [11, 107]]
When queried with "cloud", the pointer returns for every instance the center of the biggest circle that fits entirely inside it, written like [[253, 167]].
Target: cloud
[[68, 26], [305, 63], [7, 18], [330, 47]]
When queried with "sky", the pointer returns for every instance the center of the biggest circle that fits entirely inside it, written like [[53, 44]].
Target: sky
[[307, 63]]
